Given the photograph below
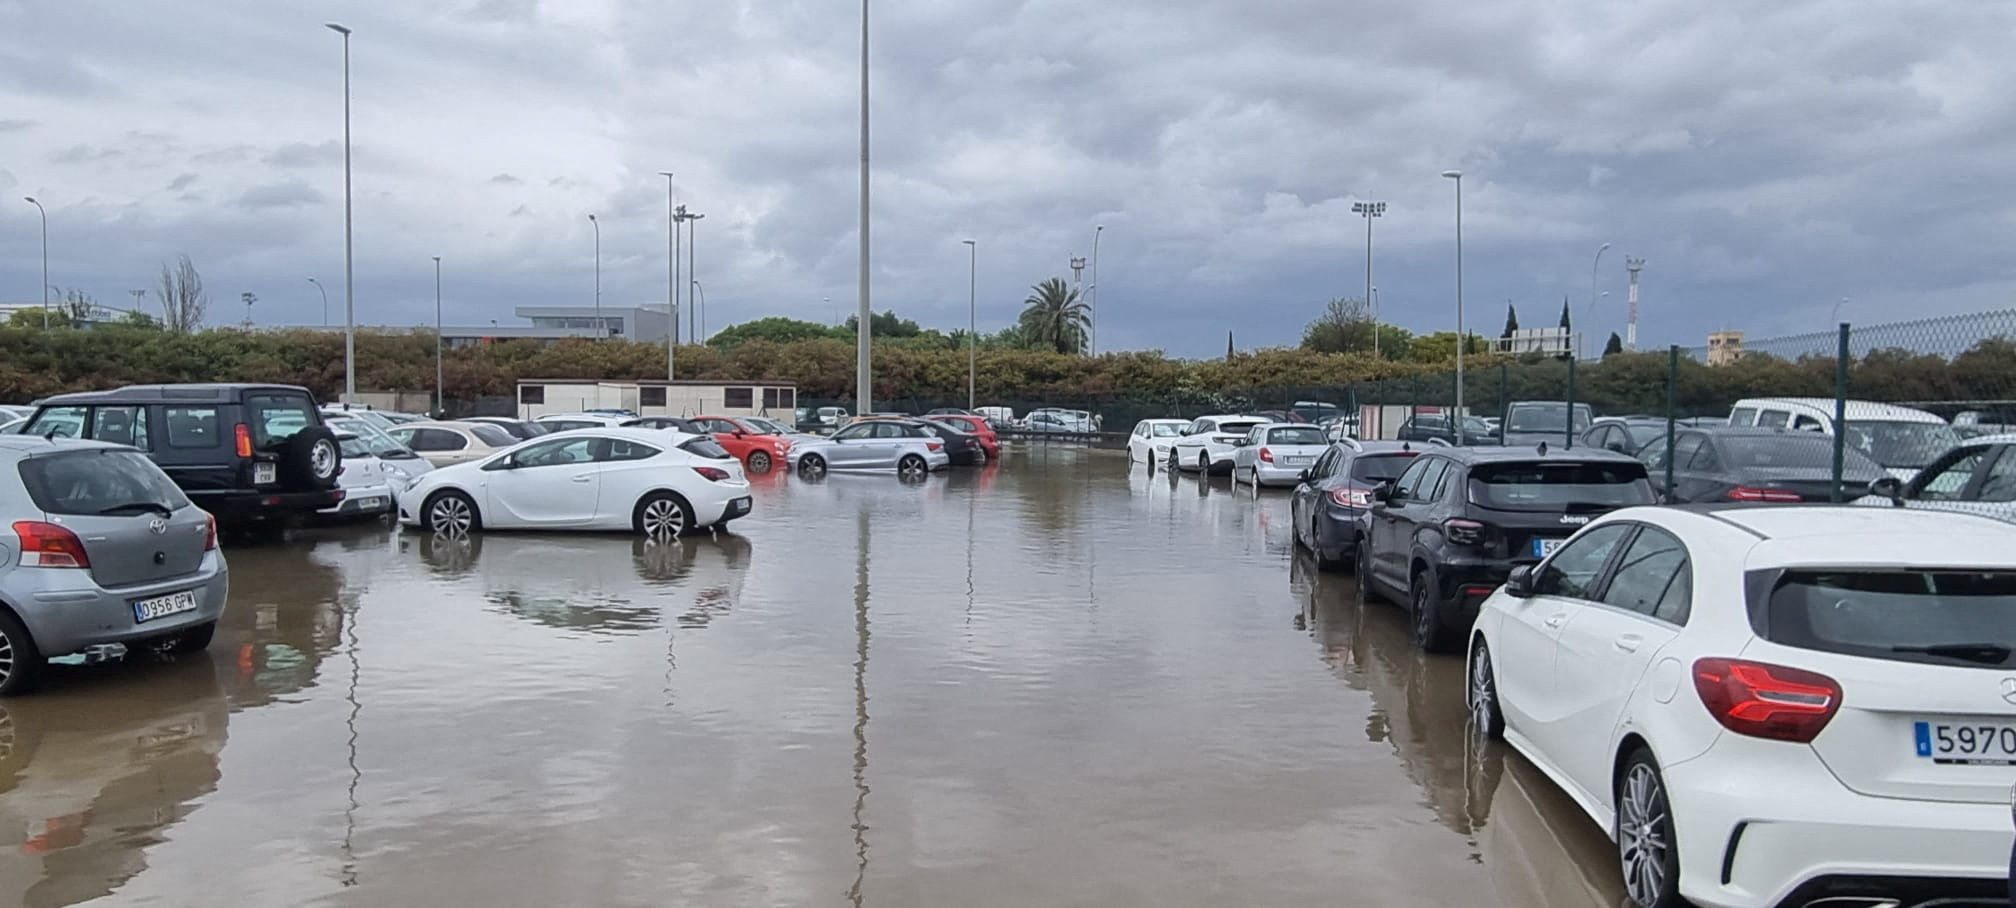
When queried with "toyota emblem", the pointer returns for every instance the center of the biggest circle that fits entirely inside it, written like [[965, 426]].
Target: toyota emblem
[[158, 526]]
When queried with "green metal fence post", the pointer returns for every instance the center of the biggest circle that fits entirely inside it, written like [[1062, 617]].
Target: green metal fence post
[[1840, 408], [1570, 431], [1504, 400], [1672, 379]]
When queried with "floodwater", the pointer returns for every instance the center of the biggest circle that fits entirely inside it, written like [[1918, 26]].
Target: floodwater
[[1055, 681]]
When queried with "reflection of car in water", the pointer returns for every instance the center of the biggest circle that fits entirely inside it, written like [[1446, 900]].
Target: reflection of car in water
[[611, 585], [285, 617], [96, 767]]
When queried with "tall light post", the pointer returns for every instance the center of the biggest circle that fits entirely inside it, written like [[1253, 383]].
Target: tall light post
[[1370, 210], [598, 275], [1461, 338], [973, 308], [1832, 317], [325, 300], [45, 259], [1593, 266], [700, 307], [349, 259], [440, 386], [671, 273], [692, 279], [1095, 291], [864, 394]]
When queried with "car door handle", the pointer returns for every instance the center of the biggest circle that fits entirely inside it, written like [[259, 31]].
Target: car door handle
[[1628, 643], [585, 477], [1557, 619]]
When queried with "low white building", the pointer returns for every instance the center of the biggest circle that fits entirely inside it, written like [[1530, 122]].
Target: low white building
[[657, 397]]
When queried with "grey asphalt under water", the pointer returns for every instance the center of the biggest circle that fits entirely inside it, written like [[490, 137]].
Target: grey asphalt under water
[[1052, 682]]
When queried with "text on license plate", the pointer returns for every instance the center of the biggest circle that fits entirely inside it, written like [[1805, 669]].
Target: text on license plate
[[265, 472], [162, 606], [1981, 744], [363, 503], [1294, 461], [1545, 547]]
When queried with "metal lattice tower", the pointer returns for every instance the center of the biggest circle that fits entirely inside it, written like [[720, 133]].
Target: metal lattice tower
[[1631, 324]]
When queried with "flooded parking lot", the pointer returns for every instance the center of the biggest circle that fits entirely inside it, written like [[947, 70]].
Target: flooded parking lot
[[1052, 681]]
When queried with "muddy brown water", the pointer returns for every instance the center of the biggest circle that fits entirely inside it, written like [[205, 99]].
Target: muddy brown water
[[1054, 681]]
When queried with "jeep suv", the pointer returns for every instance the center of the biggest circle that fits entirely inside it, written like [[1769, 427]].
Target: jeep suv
[[1451, 528], [245, 453]]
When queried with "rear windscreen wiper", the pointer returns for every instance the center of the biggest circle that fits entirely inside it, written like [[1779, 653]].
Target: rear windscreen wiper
[[1985, 653], [143, 507]]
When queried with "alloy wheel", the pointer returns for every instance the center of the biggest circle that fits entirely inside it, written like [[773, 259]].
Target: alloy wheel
[[450, 514], [812, 465], [1483, 691], [7, 657], [1641, 834], [911, 467], [664, 517]]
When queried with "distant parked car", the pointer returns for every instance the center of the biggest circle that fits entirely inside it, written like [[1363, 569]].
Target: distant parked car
[[445, 444], [661, 422], [1152, 440], [875, 444], [1329, 506], [830, 417], [978, 425], [1207, 445], [592, 479], [246, 453], [1978, 477], [962, 447], [12, 425], [1902, 439], [107, 549], [367, 486], [1529, 422], [1001, 418], [520, 429], [567, 422], [1274, 454], [13, 411], [1437, 427], [1758, 465], [1047, 421], [1625, 435], [398, 462], [950, 411], [784, 433], [757, 449]]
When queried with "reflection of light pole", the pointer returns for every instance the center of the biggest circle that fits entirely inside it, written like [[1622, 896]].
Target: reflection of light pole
[[1457, 175], [671, 272], [45, 260], [325, 300], [1095, 293], [440, 388], [860, 703], [349, 261], [1370, 210], [864, 392], [972, 319]]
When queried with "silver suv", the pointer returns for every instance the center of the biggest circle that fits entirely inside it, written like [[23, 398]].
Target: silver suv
[[98, 546]]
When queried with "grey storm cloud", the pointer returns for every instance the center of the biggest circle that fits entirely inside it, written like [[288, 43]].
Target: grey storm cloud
[[14, 125], [1766, 161], [184, 181]]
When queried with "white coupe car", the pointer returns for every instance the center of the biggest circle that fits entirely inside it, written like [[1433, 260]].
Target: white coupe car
[[646, 481], [1207, 445], [1152, 440], [1770, 706]]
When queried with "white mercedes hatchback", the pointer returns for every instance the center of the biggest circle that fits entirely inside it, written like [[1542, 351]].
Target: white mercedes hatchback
[[1769, 706]]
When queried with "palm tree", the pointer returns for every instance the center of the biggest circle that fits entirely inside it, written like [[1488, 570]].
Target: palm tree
[[1054, 318]]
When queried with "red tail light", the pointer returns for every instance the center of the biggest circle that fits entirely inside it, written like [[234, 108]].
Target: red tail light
[[244, 436], [1463, 532], [1352, 497], [50, 546], [1746, 493], [711, 474], [934, 445], [210, 534], [1266, 456], [1766, 701]]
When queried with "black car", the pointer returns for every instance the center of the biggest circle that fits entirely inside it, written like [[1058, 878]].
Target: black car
[[1764, 465], [1452, 527], [1625, 435], [245, 453], [516, 428], [962, 446], [1436, 427], [1530, 422], [1336, 490]]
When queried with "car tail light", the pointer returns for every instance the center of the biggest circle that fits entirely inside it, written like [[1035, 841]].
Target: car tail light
[[711, 474], [50, 546], [1266, 455], [244, 436], [934, 445], [210, 533], [1463, 532], [1766, 701], [1352, 497], [1746, 493]]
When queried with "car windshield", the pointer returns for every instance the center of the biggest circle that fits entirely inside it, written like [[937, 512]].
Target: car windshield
[[1234, 427], [1545, 417], [706, 447], [1297, 436], [1473, 424], [1908, 445], [97, 481], [1644, 433], [1794, 449], [1555, 486], [1942, 617], [1167, 429], [376, 442], [769, 426], [492, 435], [354, 446], [1373, 468]]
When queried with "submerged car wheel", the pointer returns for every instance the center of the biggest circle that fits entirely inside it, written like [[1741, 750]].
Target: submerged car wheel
[[660, 515], [1481, 694], [1203, 464], [759, 462], [20, 662], [1151, 460], [1429, 632], [912, 467], [812, 466], [452, 513]]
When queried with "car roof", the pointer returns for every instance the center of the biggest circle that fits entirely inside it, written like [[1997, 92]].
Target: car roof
[[1382, 447], [1522, 452], [1853, 409], [23, 446], [439, 424], [1841, 534], [214, 392]]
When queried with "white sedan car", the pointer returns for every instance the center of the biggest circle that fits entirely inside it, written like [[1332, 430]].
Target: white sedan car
[[1276, 453], [1152, 440], [1768, 706], [368, 489], [1206, 446], [904, 446], [643, 480]]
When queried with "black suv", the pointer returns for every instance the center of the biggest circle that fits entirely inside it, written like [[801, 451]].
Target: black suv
[[245, 453], [1452, 527]]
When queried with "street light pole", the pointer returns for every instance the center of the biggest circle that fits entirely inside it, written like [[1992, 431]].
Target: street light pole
[[671, 273], [1370, 210], [1593, 266], [1095, 290], [973, 308], [440, 387], [864, 393], [1461, 339], [700, 306], [598, 276], [45, 260], [325, 300], [349, 258], [692, 275]]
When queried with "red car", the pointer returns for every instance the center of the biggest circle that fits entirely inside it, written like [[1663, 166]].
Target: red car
[[977, 425], [758, 451]]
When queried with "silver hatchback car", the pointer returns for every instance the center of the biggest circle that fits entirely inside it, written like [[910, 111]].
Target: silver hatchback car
[[99, 547]]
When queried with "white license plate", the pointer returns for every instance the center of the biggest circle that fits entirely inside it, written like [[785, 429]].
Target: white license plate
[[263, 473], [1294, 461], [363, 503], [1967, 743], [1545, 547], [163, 606]]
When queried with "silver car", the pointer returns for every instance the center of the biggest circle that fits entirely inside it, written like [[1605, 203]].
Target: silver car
[[1978, 476], [103, 548], [1276, 453], [875, 444]]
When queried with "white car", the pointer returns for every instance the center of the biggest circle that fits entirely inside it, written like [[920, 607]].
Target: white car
[[400, 465], [1206, 446], [1152, 440], [646, 481], [1902, 439], [1765, 706], [367, 487], [561, 422], [1276, 453]]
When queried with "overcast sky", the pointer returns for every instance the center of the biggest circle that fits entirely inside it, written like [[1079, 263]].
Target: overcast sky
[[1766, 161]]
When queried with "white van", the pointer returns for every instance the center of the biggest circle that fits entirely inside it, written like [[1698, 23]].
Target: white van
[[1902, 439]]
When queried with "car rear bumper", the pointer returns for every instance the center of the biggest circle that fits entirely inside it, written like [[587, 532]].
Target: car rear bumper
[[355, 498], [251, 507], [720, 502], [1464, 585], [1268, 474], [1789, 833], [66, 611], [1337, 532]]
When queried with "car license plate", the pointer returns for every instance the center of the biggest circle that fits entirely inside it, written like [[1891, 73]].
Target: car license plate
[[1966, 743], [1294, 461], [739, 506], [264, 473], [1545, 547], [162, 606], [363, 503]]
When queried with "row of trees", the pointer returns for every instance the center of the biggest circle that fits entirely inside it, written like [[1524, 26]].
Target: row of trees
[[1348, 326]]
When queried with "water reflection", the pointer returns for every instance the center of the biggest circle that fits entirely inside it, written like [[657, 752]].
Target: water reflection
[[860, 707], [285, 617]]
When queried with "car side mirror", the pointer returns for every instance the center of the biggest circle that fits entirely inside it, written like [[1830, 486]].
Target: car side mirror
[[1520, 584], [1382, 492], [1304, 475], [1889, 487]]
